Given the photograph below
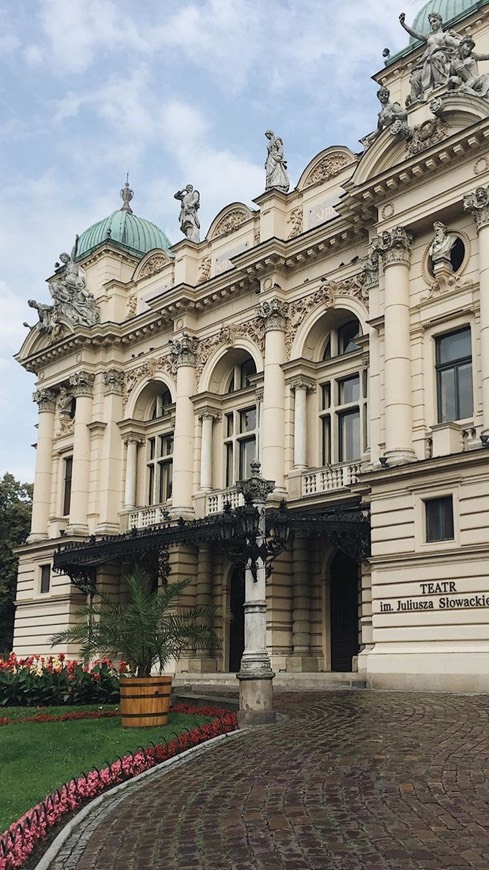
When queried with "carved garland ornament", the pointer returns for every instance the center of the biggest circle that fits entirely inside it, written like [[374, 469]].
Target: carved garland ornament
[[328, 167], [224, 337], [230, 222], [155, 264], [300, 309], [205, 270], [148, 370], [427, 134], [296, 221]]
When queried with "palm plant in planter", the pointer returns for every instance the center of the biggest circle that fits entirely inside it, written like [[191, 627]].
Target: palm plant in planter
[[149, 630]]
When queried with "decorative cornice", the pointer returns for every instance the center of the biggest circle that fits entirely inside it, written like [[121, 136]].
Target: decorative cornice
[[184, 350], [81, 384], [477, 203], [46, 400], [113, 382], [394, 247], [274, 314]]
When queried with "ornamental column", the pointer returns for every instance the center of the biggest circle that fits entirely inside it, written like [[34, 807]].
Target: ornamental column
[[274, 316], [394, 246], [184, 353], [81, 387], [478, 204], [207, 417], [132, 444], [110, 454], [46, 400], [301, 388]]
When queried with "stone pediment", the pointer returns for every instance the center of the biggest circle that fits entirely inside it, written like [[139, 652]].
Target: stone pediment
[[228, 220], [455, 113], [326, 165]]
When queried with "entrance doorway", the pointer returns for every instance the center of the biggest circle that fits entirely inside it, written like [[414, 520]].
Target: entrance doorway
[[236, 630], [343, 612]]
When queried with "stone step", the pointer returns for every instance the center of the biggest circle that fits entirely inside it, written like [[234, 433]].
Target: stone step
[[321, 682]]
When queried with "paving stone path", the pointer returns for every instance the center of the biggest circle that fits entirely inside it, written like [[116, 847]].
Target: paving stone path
[[351, 781]]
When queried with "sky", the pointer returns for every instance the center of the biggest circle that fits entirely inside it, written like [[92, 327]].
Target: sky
[[173, 92]]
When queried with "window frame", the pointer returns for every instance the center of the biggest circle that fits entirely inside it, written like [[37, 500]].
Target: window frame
[[453, 365], [438, 521]]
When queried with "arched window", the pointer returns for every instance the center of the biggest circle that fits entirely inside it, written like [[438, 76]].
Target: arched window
[[342, 394], [159, 447], [239, 419]]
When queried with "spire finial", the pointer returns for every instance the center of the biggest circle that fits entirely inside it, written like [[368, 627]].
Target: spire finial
[[127, 194]]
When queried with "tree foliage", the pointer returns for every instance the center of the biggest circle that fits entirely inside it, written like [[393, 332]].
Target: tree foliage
[[15, 519], [149, 629]]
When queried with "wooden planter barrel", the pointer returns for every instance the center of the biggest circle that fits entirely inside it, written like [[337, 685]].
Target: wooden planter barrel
[[145, 701]]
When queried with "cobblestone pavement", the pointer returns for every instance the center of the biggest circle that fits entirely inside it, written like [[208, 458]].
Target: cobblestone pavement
[[352, 780]]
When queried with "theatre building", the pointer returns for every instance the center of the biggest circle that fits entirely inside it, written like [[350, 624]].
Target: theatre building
[[338, 333]]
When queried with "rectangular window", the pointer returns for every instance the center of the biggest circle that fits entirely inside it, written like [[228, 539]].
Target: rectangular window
[[439, 519], [239, 444], [454, 376], [349, 435], [45, 578], [160, 468], [67, 478]]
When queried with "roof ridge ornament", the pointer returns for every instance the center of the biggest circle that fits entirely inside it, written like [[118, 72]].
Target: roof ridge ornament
[[126, 195]]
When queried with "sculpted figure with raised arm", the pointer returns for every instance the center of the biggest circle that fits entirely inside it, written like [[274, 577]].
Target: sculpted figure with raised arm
[[433, 67], [188, 217], [464, 71]]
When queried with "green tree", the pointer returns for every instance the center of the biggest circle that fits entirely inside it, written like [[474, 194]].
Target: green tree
[[15, 519]]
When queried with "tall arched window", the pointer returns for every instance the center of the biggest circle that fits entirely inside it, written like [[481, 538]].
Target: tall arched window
[[234, 381], [342, 393], [159, 448]]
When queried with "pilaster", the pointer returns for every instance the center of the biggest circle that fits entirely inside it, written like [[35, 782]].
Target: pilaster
[[46, 401]]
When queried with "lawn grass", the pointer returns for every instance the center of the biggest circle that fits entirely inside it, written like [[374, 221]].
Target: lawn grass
[[38, 757]]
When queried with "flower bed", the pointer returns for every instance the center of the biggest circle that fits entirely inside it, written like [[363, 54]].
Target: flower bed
[[62, 717], [17, 843], [44, 681]]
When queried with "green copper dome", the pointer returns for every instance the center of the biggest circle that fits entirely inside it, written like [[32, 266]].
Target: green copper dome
[[448, 9], [133, 233]]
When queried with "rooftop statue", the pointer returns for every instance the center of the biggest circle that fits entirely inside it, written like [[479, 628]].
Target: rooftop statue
[[72, 301], [391, 115], [441, 246], [188, 217], [464, 71], [433, 67], [275, 164], [71, 298]]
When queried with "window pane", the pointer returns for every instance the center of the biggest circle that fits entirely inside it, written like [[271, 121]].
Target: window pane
[[465, 392], [151, 448], [326, 451], [346, 334], [455, 346], [45, 578], [349, 435], [245, 370], [349, 390], [151, 480], [68, 471], [247, 420], [327, 350], [447, 396], [326, 390], [246, 457], [165, 482], [229, 465], [229, 425], [439, 519]]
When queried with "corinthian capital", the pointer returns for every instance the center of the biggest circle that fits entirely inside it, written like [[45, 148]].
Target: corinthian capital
[[81, 384], [274, 314], [478, 203], [184, 350], [113, 382], [394, 246], [46, 400]]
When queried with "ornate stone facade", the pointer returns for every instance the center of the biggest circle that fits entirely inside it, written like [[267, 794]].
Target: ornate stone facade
[[329, 167]]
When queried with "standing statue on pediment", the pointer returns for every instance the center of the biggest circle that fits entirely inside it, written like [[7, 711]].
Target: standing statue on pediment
[[464, 71], [433, 67], [188, 217], [276, 177]]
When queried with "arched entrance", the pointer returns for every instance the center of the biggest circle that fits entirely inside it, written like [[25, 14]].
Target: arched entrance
[[236, 629], [343, 608]]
